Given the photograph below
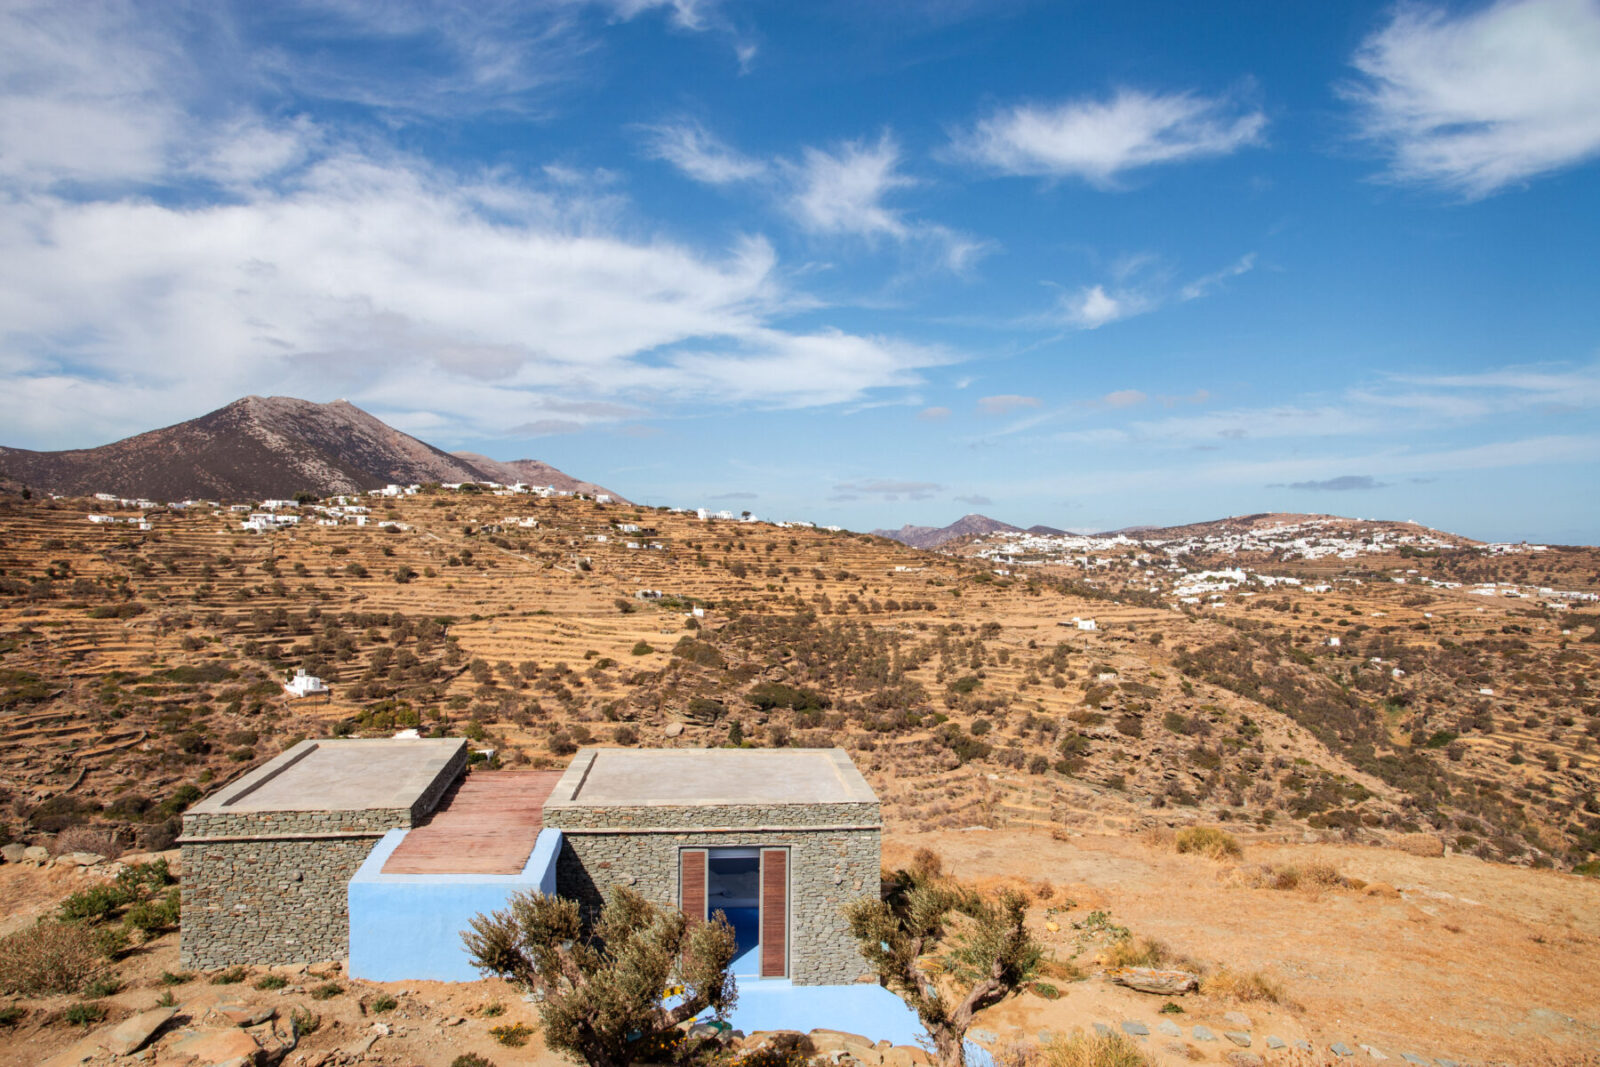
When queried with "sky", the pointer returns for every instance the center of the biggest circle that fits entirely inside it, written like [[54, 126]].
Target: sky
[[1088, 265]]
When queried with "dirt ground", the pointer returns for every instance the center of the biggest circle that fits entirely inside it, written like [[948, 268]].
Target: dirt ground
[[1465, 960], [1446, 957]]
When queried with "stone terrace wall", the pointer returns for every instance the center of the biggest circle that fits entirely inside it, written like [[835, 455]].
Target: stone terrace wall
[[829, 866]]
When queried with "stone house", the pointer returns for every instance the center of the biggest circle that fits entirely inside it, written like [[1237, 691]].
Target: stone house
[[382, 851]]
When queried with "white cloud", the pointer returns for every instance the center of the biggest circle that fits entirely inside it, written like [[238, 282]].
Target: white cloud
[[843, 191], [1204, 285], [1124, 398], [1483, 99], [1141, 285], [699, 154], [1006, 403], [1092, 307], [335, 265], [934, 413], [1100, 140]]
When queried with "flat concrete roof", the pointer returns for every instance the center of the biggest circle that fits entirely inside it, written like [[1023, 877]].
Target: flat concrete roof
[[343, 775], [630, 777]]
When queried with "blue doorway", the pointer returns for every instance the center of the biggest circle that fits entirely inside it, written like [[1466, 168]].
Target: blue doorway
[[733, 880]]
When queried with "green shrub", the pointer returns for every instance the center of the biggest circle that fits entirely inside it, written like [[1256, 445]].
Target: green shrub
[[642, 649], [84, 1014], [104, 985], [95, 904], [327, 991], [384, 1003], [176, 977], [231, 976], [512, 1035], [470, 1059], [304, 1021], [271, 981], [12, 1014], [492, 1010]]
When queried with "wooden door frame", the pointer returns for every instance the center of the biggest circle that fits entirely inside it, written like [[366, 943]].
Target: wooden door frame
[[788, 911]]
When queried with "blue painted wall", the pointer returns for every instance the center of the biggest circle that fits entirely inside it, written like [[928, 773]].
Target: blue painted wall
[[407, 927]]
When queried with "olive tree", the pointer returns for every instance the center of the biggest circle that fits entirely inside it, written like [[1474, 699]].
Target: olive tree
[[602, 985], [948, 951]]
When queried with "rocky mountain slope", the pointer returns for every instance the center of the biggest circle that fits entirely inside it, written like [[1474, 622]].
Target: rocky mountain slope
[[254, 448], [533, 472], [934, 536]]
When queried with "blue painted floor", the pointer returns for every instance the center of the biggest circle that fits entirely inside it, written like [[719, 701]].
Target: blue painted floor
[[869, 1010]]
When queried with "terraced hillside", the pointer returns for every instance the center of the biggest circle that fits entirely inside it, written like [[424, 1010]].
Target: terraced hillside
[[140, 668]]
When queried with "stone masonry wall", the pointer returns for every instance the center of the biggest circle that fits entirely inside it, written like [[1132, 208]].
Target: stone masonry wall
[[577, 817], [828, 868], [268, 902], [280, 894]]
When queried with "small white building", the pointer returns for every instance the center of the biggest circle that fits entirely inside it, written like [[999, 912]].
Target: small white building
[[602, 498], [1085, 624], [1333, 642], [305, 685]]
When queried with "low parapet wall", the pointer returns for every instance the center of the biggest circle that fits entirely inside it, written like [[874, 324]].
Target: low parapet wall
[[408, 927]]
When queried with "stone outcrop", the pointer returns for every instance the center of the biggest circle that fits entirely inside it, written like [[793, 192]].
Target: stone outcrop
[[1151, 980]]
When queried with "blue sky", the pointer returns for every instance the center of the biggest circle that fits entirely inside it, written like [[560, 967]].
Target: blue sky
[[1087, 265]]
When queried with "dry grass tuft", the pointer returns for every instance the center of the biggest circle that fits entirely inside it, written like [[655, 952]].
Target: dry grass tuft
[[1135, 952], [1095, 1050], [50, 957], [1308, 876], [86, 839], [1245, 987], [1207, 841]]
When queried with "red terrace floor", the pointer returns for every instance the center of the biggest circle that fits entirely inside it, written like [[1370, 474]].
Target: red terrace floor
[[486, 824]]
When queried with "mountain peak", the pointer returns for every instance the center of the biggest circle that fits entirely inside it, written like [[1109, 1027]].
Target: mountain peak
[[259, 447], [934, 536]]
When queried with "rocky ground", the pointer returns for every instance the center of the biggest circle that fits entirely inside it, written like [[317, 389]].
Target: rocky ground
[[1385, 953]]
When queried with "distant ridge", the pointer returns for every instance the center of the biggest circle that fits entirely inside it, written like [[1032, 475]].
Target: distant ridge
[[532, 472], [252, 449], [934, 536]]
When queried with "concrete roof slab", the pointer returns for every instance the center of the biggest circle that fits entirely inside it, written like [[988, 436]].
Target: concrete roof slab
[[624, 777], [340, 775]]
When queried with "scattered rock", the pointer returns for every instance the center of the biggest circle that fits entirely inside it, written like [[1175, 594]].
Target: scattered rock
[[130, 1035], [674, 729], [907, 1056], [13, 852], [1202, 1033], [1170, 1028], [1244, 1059], [1239, 1019], [78, 859], [1420, 844], [1151, 980], [1275, 1042], [1303, 1045], [1411, 1057], [1339, 1048], [243, 1014], [36, 854], [1374, 1053], [1137, 1029], [832, 1043], [216, 1046], [1238, 1037], [988, 1037]]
